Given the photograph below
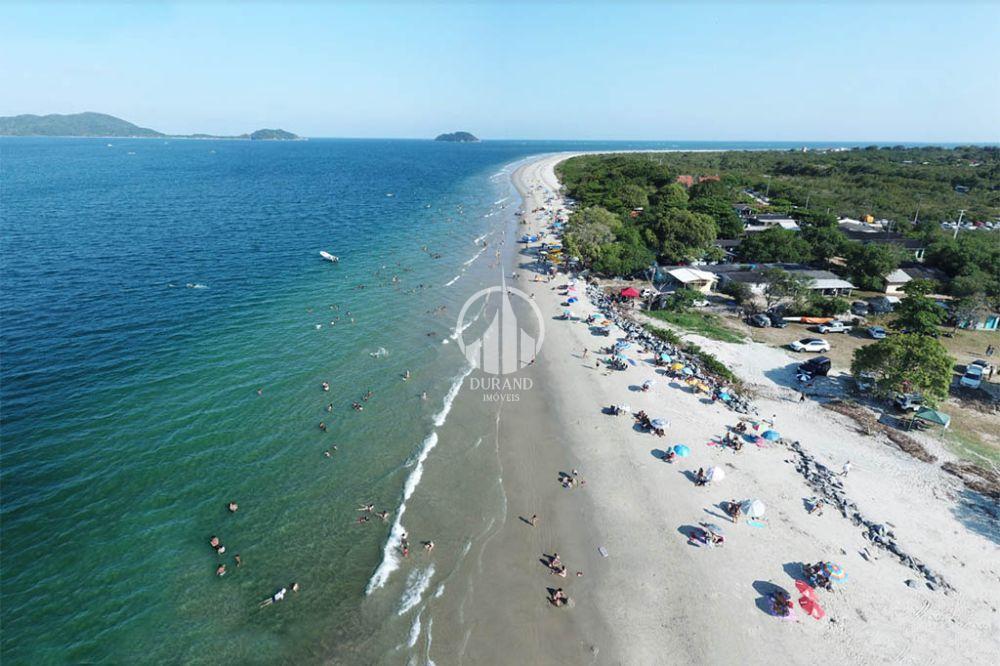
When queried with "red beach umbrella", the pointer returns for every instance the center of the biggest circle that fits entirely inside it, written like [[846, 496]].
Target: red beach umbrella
[[630, 292], [806, 589]]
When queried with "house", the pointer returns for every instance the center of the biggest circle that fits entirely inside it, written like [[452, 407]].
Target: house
[[751, 275], [897, 279], [691, 278], [913, 246], [768, 220], [743, 210], [729, 246]]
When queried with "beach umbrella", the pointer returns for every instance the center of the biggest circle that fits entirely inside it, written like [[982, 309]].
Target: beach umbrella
[[715, 474], [665, 357], [682, 451], [676, 366], [567, 314], [771, 435], [753, 508], [625, 408], [834, 572], [660, 424], [649, 383], [571, 300], [687, 371], [811, 606], [630, 292], [725, 397]]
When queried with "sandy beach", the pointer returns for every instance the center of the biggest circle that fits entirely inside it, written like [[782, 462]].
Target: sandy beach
[[655, 597]]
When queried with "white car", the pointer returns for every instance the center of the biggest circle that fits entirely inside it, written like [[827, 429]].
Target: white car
[[833, 327], [810, 344], [973, 376]]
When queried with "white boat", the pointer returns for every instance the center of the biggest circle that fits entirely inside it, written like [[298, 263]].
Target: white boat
[[328, 256]]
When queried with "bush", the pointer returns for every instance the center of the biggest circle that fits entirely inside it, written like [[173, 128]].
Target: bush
[[738, 291]]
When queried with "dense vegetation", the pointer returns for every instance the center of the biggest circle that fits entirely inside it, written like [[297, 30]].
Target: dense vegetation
[[632, 211], [272, 135], [457, 137], [75, 124]]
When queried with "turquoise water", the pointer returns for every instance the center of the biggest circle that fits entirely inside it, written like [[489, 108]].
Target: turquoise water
[[149, 289]]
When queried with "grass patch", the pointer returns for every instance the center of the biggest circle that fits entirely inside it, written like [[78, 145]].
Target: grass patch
[[705, 325], [969, 446]]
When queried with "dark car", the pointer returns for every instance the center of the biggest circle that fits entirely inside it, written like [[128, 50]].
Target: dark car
[[776, 320], [817, 367], [760, 321], [859, 308]]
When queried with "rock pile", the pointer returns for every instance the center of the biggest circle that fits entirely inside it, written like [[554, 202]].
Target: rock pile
[[827, 485]]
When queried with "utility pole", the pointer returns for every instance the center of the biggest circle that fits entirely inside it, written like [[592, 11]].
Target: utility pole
[[958, 224]]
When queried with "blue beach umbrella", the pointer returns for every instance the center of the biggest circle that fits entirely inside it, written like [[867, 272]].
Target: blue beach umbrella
[[682, 451], [725, 397], [572, 300], [687, 370], [665, 357], [771, 435]]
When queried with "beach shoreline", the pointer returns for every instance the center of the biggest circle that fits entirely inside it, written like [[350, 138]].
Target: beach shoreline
[[656, 598]]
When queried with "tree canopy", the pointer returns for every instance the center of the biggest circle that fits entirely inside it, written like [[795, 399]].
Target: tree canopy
[[907, 363]]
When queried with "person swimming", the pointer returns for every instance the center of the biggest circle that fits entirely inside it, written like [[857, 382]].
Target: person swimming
[[233, 507], [274, 598]]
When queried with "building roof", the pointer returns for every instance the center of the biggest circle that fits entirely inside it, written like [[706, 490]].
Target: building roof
[[750, 274], [687, 275], [830, 283], [908, 272], [891, 238]]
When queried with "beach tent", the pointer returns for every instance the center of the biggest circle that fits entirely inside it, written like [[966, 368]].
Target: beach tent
[[934, 416], [630, 292], [753, 508], [715, 474], [660, 424], [682, 451]]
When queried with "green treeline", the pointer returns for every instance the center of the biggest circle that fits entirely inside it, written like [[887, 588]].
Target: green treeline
[[632, 211]]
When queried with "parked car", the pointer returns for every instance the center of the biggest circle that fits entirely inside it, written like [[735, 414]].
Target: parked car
[[877, 333], [859, 308], [835, 326], [759, 320], [973, 376], [908, 402], [776, 320], [810, 344], [818, 366]]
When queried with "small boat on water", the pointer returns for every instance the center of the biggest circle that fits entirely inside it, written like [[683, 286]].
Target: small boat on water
[[328, 256]]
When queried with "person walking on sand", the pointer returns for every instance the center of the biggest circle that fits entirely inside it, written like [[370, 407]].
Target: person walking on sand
[[584, 352], [534, 520], [846, 468]]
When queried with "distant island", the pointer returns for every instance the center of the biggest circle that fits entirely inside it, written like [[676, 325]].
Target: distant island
[[91, 124], [457, 137]]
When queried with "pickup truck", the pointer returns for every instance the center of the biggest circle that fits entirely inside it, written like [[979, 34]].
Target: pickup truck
[[833, 327], [909, 402]]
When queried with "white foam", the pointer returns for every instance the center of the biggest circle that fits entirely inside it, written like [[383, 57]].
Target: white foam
[[439, 591], [416, 584], [390, 553], [449, 398], [500, 201], [475, 257], [414, 632], [427, 654], [453, 280], [482, 238]]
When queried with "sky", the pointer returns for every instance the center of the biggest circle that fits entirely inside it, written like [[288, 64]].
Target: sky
[[917, 71]]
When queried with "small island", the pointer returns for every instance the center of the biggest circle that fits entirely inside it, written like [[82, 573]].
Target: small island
[[273, 135], [457, 137]]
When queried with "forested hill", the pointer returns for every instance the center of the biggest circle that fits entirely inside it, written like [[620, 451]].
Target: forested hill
[[91, 124], [75, 124]]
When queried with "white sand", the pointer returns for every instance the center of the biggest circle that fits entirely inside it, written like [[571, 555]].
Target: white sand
[[656, 599]]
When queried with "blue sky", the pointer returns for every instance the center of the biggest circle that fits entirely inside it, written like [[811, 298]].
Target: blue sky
[[895, 71]]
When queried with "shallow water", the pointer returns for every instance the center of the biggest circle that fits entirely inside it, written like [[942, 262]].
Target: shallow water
[[150, 288]]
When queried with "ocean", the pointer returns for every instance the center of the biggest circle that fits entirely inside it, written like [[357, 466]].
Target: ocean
[[167, 327]]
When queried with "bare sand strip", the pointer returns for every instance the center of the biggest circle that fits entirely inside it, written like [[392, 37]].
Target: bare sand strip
[[658, 599]]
